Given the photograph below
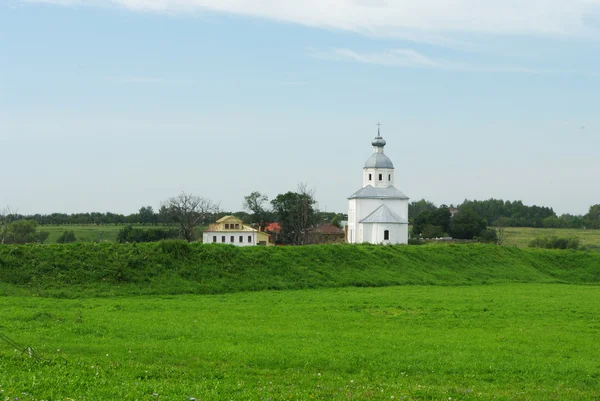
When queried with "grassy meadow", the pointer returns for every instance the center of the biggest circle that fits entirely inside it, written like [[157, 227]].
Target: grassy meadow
[[502, 342], [83, 232], [522, 236]]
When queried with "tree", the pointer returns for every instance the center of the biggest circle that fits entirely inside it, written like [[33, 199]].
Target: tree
[[66, 237], [337, 221], [417, 207], [296, 212], [189, 210], [255, 203], [467, 224], [24, 232], [7, 215], [147, 215], [592, 218], [438, 217]]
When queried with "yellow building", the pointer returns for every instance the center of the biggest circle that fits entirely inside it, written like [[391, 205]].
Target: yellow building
[[231, 230]]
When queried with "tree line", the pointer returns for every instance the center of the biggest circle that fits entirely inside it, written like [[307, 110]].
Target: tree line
[[500, 213]]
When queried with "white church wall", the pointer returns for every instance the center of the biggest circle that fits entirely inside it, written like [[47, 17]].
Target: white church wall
[[387, 177], [365, 207], [375, 233]]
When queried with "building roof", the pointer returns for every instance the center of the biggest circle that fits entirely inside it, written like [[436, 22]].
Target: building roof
[[383, 214], [371, 192], [273, 227], [229, 217], [379, 160], [328, 229]]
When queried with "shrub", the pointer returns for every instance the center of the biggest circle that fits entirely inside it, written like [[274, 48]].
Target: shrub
[[489, 236], [556, 243], [130, 234], [66, 237]]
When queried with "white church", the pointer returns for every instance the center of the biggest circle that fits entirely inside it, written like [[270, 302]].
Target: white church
[[378, 212]]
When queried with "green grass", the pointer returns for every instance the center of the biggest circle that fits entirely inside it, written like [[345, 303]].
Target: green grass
[[83, 233], [175, 267], [502, 342], [93, 232], [522, 236]]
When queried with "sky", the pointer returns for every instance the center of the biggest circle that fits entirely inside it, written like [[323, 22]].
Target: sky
[[111, 105]]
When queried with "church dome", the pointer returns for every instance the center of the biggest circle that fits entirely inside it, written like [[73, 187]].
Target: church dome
[[379, 160], [378, 141]]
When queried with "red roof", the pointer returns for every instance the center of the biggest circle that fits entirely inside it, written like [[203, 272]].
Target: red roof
[[273, 227], [327, 228]]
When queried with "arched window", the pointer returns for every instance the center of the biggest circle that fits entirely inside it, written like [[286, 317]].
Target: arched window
[[380, 177], [389, 177], [370, 177], [386, 235]]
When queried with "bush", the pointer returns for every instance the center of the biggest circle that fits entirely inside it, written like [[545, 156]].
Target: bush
[[556, 243], [130, 234], [66, 237], [489, 236]]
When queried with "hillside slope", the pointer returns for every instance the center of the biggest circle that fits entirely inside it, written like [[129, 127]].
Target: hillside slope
[[174, 267]]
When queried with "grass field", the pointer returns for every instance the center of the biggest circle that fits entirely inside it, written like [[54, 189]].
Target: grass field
[[502, 342], [84, 233], [92, 232], [522, 236]]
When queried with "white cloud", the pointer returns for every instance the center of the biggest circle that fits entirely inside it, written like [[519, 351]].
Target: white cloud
[[412, 59], [415, 19]]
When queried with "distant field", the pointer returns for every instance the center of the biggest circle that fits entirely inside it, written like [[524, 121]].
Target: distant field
[[522, 236], [89, 232], [501, 342], [85, 233]]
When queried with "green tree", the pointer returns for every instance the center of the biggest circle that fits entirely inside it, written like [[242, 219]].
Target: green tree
[[24, 232], [147, 215], [337, 221], [551, 222], [255, 203], [417, 207], [467, 224], [439, 217], [296, 212], [66, 237], [592, 218]]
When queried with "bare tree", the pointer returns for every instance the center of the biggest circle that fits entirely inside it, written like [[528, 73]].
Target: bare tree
[[189, 210], [7, 215], [501, 236]]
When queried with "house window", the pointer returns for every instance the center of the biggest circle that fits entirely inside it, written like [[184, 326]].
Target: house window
[[227, 226], [232, 239], [223, 239], [237, 226], [250, 239], [380, 177], [214, 238], [241, 238], [370, 177], [386, 235]]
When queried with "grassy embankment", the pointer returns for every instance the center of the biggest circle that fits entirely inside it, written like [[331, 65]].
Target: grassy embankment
[[175, 267], [481, 342]]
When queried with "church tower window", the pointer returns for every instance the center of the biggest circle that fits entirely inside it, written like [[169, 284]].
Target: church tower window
[[370, 177], [389, 177], [386, 235], [380, 177]]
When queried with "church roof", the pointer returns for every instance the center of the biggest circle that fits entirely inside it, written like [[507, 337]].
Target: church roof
[[383, 214], [371, 192], [379, 160]]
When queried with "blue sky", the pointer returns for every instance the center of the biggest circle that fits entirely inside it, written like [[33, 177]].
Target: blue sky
[[109, 105]]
